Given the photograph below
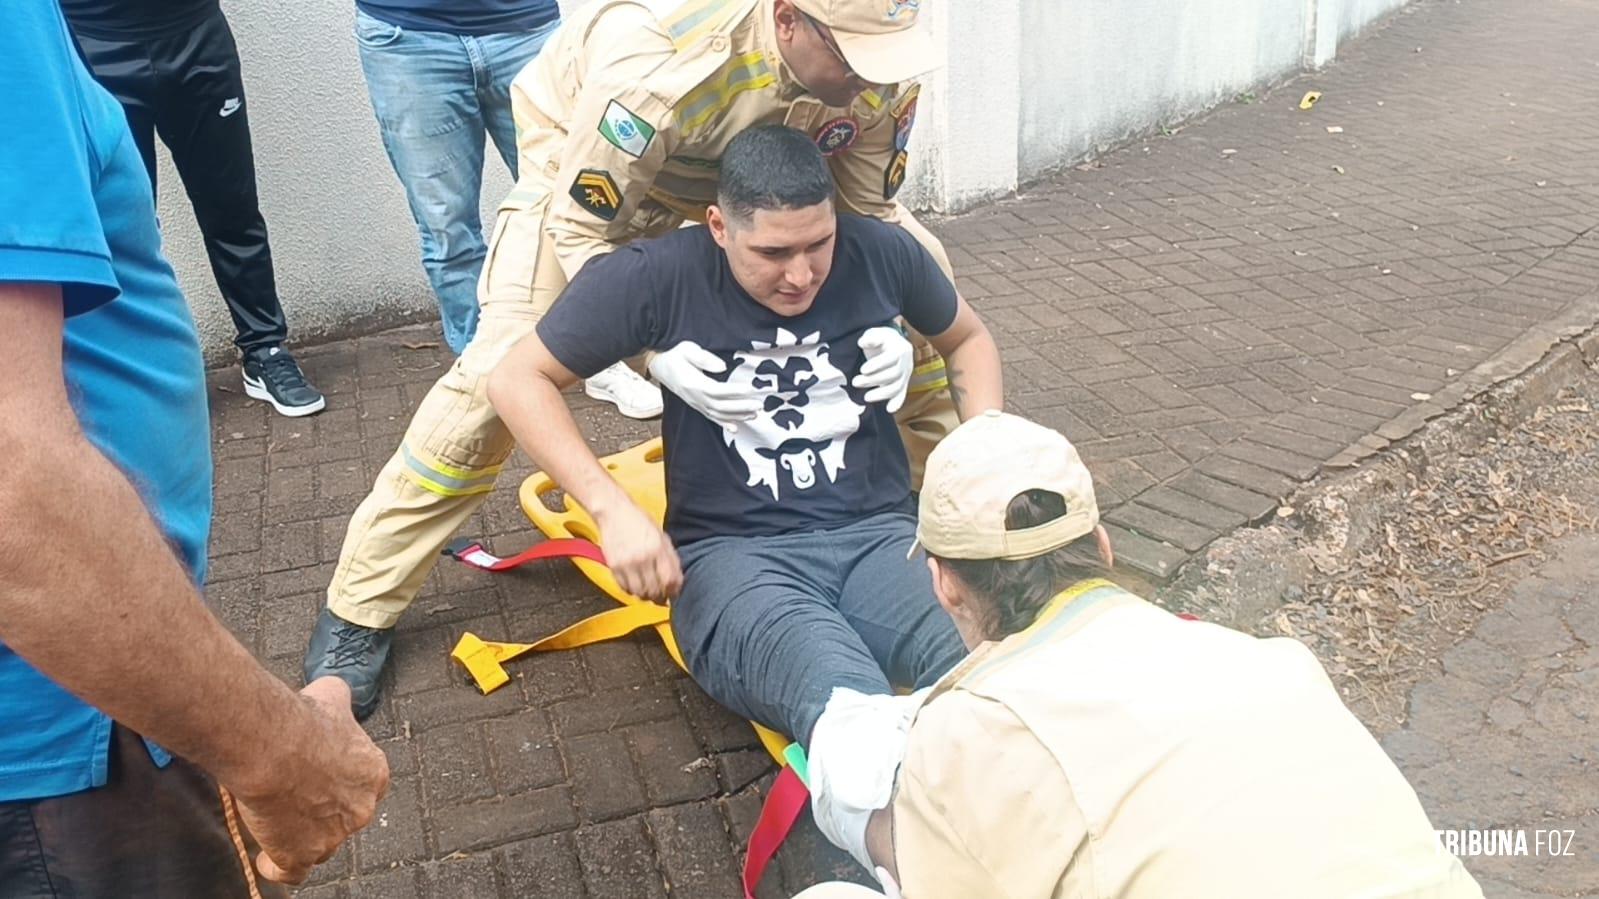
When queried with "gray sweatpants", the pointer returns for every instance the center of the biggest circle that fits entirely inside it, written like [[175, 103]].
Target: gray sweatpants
[[769, 626]]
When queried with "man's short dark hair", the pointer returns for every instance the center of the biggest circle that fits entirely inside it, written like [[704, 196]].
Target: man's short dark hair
[[771, 167]]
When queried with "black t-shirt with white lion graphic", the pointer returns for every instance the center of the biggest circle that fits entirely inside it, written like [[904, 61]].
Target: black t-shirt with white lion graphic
[[817, 456]]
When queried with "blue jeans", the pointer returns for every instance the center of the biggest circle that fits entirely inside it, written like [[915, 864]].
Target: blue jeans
[[435, 95], [769, 626]]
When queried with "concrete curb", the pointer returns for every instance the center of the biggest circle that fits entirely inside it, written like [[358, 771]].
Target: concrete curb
[[1520, 356], [1245, 576]]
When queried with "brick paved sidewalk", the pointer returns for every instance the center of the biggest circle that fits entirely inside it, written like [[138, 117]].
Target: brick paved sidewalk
[[1213, 316]]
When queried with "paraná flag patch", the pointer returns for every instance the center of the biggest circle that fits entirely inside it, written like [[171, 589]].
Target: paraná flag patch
[[626, 131]]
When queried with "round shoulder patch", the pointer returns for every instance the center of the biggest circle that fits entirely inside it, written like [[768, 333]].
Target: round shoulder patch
[[837, 136]]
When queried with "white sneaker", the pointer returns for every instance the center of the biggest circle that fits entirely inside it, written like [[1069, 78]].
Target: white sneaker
[[623, 388]]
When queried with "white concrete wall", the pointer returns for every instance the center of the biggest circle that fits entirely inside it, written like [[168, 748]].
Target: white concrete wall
[[1031, 86], [1100, 71], [1337, 20], [965, 144]]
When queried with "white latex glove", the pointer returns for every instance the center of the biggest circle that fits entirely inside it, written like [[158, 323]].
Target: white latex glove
[[886, 373], [683, 370], [856, 747]]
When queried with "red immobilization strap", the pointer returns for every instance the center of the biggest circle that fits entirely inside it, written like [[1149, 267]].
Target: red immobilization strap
[[472, 553], [783, 807]]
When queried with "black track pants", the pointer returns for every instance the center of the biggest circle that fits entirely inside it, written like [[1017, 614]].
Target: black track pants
[[188, 88]]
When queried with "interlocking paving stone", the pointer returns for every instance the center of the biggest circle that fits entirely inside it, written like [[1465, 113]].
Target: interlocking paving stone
[[605, 780], [478, 825]]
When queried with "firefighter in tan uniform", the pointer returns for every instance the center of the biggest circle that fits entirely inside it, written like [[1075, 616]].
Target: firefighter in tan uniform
[[621, 121]]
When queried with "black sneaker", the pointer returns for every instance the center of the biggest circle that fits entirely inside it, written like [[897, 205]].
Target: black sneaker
[[271, 374], [353, 653]]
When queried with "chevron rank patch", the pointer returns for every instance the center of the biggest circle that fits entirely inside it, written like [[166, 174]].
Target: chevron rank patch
[[596, 191], [894, 175], [626, 131]]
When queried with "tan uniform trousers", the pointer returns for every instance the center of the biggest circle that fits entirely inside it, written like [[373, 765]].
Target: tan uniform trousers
[[456, 444]]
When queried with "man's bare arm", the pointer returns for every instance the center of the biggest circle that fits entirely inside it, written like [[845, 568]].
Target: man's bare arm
[[92, 596], [971, 360], [525, 389]]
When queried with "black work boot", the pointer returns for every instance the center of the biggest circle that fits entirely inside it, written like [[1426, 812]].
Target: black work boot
[[271, 374], [351, 652]]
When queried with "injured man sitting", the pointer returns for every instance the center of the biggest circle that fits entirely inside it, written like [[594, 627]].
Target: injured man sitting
[[789, 513]]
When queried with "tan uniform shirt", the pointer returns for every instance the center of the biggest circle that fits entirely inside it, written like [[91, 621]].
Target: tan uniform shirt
[[623, 117], [1113, 749]]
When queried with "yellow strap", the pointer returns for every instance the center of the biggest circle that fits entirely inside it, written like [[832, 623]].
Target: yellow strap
[[639, 471], [485, 659]]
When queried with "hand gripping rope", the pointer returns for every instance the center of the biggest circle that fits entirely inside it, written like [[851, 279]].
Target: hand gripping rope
[[572, 535]]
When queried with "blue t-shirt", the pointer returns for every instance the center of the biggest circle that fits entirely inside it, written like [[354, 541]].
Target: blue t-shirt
[[818, 455], [76, 210], [463, 16]]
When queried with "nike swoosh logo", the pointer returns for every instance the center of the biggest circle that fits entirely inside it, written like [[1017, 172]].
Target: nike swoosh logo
[[230, 106]]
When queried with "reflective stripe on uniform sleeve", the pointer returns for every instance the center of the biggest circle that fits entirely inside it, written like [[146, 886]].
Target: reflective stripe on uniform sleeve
[[929, 376], [524, 197], [739, 74], [696, 18], [447, 480]]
